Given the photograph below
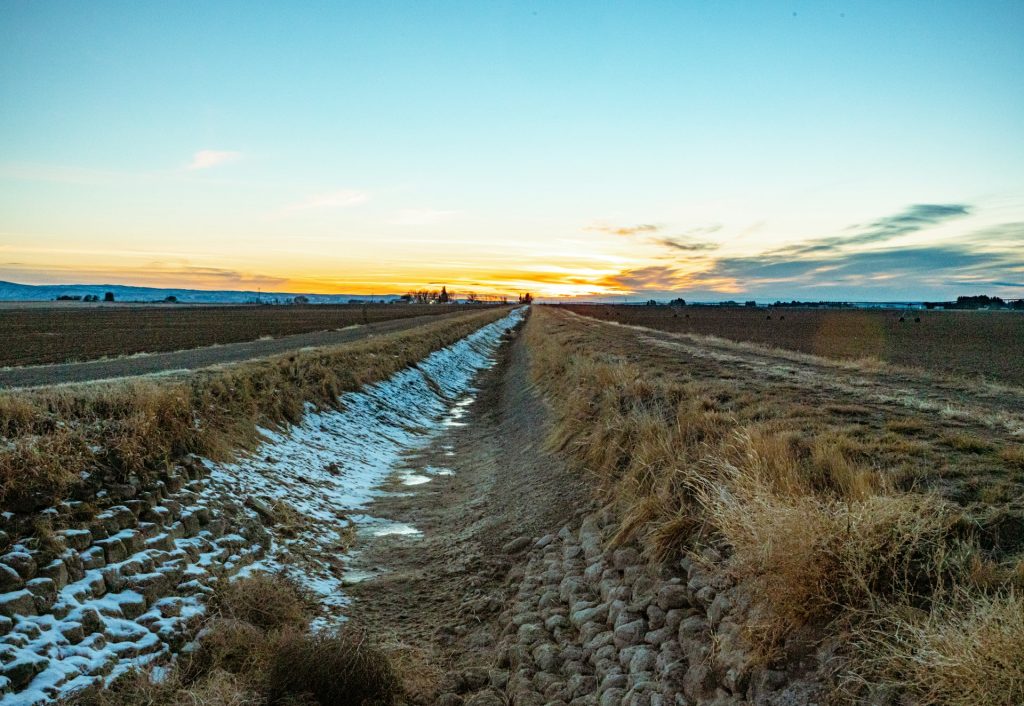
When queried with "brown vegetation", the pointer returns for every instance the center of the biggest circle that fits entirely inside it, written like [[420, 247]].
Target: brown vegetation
[[965, 343], [256, 649], [34, 336], [802, 494], [114, 431]]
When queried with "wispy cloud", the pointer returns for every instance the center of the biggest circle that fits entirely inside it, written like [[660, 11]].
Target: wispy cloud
[[205, 159], [689, 241], [912, 219], [156, 273], [625, 230], [665, 278], [865, 262], [342, 198], [422, 216], [684, 245]]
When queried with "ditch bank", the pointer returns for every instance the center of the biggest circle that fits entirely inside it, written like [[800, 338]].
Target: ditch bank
[[120, 580]]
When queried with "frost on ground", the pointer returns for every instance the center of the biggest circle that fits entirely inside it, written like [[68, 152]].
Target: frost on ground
[[130, 589]]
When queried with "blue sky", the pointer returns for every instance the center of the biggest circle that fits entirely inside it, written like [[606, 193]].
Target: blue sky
[[707, 149]]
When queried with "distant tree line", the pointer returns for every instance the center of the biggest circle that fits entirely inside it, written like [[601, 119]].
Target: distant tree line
[[443, 296], [107, 297], [980, 301]]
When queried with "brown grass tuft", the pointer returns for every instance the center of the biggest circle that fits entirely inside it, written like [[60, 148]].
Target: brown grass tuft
[[1013, 457], [266, 601], [967, 442], [343, 667], [966, 651]]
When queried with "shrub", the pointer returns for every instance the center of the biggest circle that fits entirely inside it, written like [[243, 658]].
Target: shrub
[[267, 601], [334, 668], [232, 646]]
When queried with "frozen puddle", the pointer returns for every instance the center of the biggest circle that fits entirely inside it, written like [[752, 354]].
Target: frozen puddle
[[329, 467], [424, 475], [395, 528]]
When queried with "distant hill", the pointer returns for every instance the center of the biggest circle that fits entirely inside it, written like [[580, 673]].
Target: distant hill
[[11, 291]]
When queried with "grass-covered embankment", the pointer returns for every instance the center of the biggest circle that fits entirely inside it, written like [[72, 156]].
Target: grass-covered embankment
[[815, 514], [56, 440]]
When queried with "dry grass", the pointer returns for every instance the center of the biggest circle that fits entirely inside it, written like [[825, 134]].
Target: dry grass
[[342, 667], [219, 688], [967, 442], [906, 425], [256, 649], [113, 430], [1013, 457], [266, 601], [967, 651], [417, 670], [811, 524]]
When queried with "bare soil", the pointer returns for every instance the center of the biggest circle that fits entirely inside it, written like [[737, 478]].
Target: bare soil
[[190, 359], [963, 343], [442, 590], [62, 334]]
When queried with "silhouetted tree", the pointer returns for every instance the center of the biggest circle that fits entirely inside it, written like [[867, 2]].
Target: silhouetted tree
[[108, 297], [442, 298]]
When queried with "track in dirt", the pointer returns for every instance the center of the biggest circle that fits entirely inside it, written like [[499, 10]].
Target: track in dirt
[[154, 363]]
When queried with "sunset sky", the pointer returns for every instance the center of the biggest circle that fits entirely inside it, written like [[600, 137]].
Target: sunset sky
[[839, 150]]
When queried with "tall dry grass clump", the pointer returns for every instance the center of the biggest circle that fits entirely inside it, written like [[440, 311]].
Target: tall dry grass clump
[[50, 438], [968, 650], [340, 667], [819, 536]]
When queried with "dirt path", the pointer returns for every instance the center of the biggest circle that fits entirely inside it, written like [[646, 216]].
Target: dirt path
[[153, 363], [441, 590]]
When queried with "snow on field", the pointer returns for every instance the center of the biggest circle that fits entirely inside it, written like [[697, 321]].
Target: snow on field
[[328, 467], [129, 590]]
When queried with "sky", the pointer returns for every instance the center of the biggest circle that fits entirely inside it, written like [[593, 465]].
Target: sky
[[709, 150]]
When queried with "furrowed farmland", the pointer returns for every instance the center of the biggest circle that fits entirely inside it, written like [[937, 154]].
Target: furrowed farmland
[[36, 335], [517, 506], [965, 343]]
